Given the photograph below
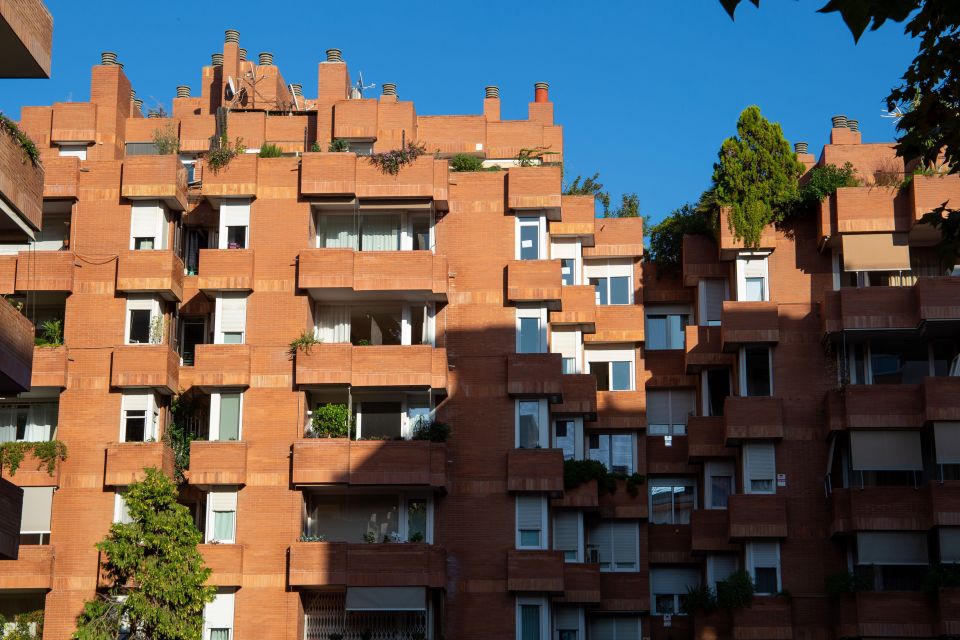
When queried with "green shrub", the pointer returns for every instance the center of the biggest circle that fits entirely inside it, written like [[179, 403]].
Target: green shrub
[[699, 600], [166, 140], [270, 151], [666, 237], [433, 430], [736, 592], [331, 421], [222, 153], [465, 162], [390, 162], [29, 148], [47, 454], [51, 334], [303, 343], [846, 582], [338, 146], [822, 182], [941, 576]]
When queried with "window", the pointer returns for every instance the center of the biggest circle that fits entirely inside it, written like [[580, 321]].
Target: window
[[149, 223], [531, 522], [886, 457], [716, 391], [763, 563], [614, 627], [531, 619], [121, 514], [419, 232], [611, 280], [666, 327], [376, 324], [218, 616], [613, 368], [617, 545], [531, 330], [672, 500], [225, 415], [234, 223], [568, 436], [531, 424], [35, 517], [567, 528], [73, 151], [755, 371], [719, 568], [752, 279], [568, 623], [759, 467], [222, 515], [33, 422], [892, 560], [566, 342], [139, 417], [530, 233], [712, 292], [568, 270], [358, 516], [230, 323], [360, 147], [144, 321], [668, 411], [615, 451], [719, 483], [668, 588], [190, 164], [567, 251]]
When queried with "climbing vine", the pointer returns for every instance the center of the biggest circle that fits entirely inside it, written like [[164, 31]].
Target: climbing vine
[[47, 453]]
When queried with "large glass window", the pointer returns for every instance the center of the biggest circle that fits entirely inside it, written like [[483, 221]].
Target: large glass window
[[28, 422], [531, 425], [611, 280], [564, 437], [671, 501], [615, 544], [612, 376], [615, 451], [666, 330]]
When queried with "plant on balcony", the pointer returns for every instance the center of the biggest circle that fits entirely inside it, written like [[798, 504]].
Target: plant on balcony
[[304, 343], [312, 538], [578, 472], [361, 342], [465, 162], [178, 435], [158, 329], [222, 152], [941, 576], [339, 145], [846, 582], [47, 453], [532, 157], [736, 592], [370, 537], [24, 626], [331, 421], [822, 182], [29, 148], [392, 161], [416, 536], [157, 553], [947, 222], [270, 151], [432, 430], [666, 237], [51, 334], [700, 599], [166, 140]]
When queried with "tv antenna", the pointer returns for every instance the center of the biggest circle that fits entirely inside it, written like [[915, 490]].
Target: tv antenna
[[360, 86]]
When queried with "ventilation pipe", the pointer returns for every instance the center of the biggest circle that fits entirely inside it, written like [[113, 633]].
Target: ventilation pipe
[[491, 91], [853, 125], [800, 147], [243, 55], [839, 122], [108, 58], [216, 59], [183, 91], [541, 92], [334, 55], [265, 59], [389, 88], [231, 35]]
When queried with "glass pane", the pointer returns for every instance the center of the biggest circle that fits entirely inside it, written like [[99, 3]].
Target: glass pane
[[754, 289], [566, 270], [380, 420], [665, 604], [529, 335], [342, 518], [600, 288], [622, 453], [621, 376], [420, 230], [565, 438], [529, 437], [418, 324], [219, 634], [599, 449], [661, 505], [676, 324], [529, 241], [139, 326], [766, 579], [232, 337], [602, 372], [720, 489], [620, 290], [376, 324], [529, 622], [761, 486], [683, 504], [569, 365], [230, 416], [380, 232], [417, 520], [757, 365], [529, 538], [236, 237], [223, 525], [656, 332], [136, 423], [143, 244], [340, 232], [718, 383]]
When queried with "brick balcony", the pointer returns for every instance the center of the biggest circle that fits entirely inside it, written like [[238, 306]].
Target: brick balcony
[[155, 178], [373, 365], [769, 618], [45, 271], [945, 502], [620, 504], [879, 509], [876, 406], [538, 571], [535, 470], [669, 543], [703, 348], [369, 462], [328, 174], [870, 210], [534, 281], [578, 307], [579, 396], [74, 122], [33, 569], [940, 398], [49, 367], [710, 531], [627, 592], [126, 462], [33, 473], [154, 366], [892, 307], [355, 119], [885, 614], [28, 34], [948, 609], [226, 563], [426, 178], [421, 271], [581, 583], [617, 323], [621, 409], [61, 178], [535, 374], [701, 259], [930, 192], [217, 462], [757, 516], [236, 180], [16, 349], [21, 185], [159, 271], [754, 417], [225, 270], [617, 238], [319, 564], [672, 459], [577, 219], [535, 188], [706, 438], [220, 365], [729, 245], [582, 496], [744, 323]]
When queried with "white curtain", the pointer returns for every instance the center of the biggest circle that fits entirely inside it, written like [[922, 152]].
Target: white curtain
[[8, 424], [334, 324], [339, 232], [381, 233], [41, 419]]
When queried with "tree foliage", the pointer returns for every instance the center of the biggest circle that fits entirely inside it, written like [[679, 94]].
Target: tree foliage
[[823, 181], [666, 237], [153, 561], [590, 186], [756, 176], [466, 162]]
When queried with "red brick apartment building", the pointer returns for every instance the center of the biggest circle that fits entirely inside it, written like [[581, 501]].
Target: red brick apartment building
[[789, 406]]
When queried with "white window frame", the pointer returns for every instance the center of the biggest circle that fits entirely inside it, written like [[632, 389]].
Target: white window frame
[[741, 264], [540, 314], [214, 427], [242, 206], [581, 624], [208, 625], [751, 567], [140, 302], [577, 355], [742, 371], [610, 354], [151, 415], [209, 528], [578, 437], [544, 615], [119, 502], [605, 269], [747, 487], [544, 424], [406, 229], [406, 425], [218, 334], [72, 151], [403, 522], [668, 311], [609, 435], [718, 469], [711, 568], [672, 424], [161, 220], [672, 482], [544, 518], [568, 249], [539, 220]]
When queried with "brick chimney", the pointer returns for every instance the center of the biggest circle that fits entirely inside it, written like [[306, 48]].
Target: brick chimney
[[333, 83], [110, 90], [541, 109], [491, 103], [841, 133]]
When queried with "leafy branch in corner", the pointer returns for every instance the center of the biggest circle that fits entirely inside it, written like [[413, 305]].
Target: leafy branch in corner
[[223, 152], [390, 162], [28, 146]]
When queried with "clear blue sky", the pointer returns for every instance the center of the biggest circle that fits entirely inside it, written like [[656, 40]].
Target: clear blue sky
[[646, 90]]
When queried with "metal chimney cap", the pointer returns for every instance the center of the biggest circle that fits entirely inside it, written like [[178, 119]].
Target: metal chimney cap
[[389, 88], [183, 91], [108, 58], [491, 91], [801, 147], [243, 54], [231, 35], [334, 55], [216, 59], [839, 122], [853, 125], [265, 59]]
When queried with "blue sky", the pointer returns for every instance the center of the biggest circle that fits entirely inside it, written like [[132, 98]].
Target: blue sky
[[646, 90]]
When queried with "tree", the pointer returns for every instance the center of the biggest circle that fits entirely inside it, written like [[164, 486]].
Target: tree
[[756, 175], [591, 186], [153, 561], [666, 237]]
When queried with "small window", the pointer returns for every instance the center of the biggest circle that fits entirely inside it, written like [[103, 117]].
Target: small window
[[531, 424], [564, 437], [135, 425], [528, 335], [763, 561], [601, 290], [143, 244], [669, 586], [567, 269], [531, 521], [222, 516], [752, 278], [360, 147], [754, 289], [566, 534], [759, 467], [666, 330], [420, 232], [612, 376], [615, 451], [611, 280], [668, 411], [232, 337], [755, 374], [719, 483], [615, 544], [73, 151], [531, 619], [139, 417], [671, 502], [228, 421], [139, 326], [236, 237], [121, 513], [528, 233], [35, 516]]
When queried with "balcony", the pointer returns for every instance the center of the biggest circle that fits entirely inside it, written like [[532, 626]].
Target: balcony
[[617, 238], [621, 409], [948, 607], [578, 308], [373, 366], [321, 564], [753, 418], [159, 271], [225, 270], [701, 259], [535, 188], [426, 178], [940, 398], [617, 323], [710, 531], [155, 178], [627, 592], [217, 463], [61, 178], [744, 323], [355, 119], [221, 365], [669, 543], [870, 308], [704, 349], [870, 210], [706, 438], [535, 374], [582, 496], [21, 187], [11, 510], [28, 36], [33, 569], [945, 502], [668, 459], [49, 366], [155, 366], [45, 271], [885, 614], [534, 281], [577, 219], [535, 470], [730, 246], [579, 396], [757, 516], [620, 504], [396, 271], [581, 583], [880, 509], [33, 473], [236, 180], [369, 462], [126, 462], [876, 406], [225, 562], [328, 174], [74, 122], [930, 192], [937, 298], [770, 618], [16, 349], [196, 131], [537, 571]]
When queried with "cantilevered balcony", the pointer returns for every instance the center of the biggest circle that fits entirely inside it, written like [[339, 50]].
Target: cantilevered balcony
[[145, 366], [748, 323], [324, 564], [756, 515], [617, 323], [372, 366], [21, 190], [704, 349], [157, 271], [217, 463], [322, 461], [45, 271], [535, 470], [225, 562], [238, 179], [534, 281], [578, 308], [535, 571], [701, 259], [885, 614], [881, 308], [328, 174], [730, 245], [126, 462], [220, 365], [876, 407], [535, 375], [16, 349], [153, 177], [880, 509], [33, 569], [322, 270], [535, 188], [753, 418], [225, 270]]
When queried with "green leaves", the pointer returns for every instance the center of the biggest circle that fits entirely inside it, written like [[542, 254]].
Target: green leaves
[[858, 14], [666, 237], [47, 454]]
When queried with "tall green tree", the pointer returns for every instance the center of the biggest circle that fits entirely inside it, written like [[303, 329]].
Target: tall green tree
[[590, 186], [154, 562], [756, 175]]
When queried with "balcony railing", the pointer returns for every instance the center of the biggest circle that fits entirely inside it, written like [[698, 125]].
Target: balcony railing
[[217, 463], [535, 571], [757, 516], [153, 177], [16, 349], [21, 184], [225, 270], [322, 564], [33, 569], [225, 562], [753, 417], [535, 470], [367, 463], [399, 271], [534, 281], [372, 366], [147, 366], [159, 271], [126, 462]]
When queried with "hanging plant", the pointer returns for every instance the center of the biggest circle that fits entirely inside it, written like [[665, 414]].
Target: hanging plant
[[47, 453], [29, 148], [390, 162], [223, 152]]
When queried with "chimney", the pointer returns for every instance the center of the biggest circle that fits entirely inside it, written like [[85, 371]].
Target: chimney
[[108, 58], [231, 35], [842, 131], [139, 104], [297, 89], [541, 92], [183, 91], [334, 55], [216, 59], [389, 88], [491, 103], [541, 109], [243, 54], [800, 147], [265, 59], [839, 122], [133, 94], [333, 84], [853, 125]]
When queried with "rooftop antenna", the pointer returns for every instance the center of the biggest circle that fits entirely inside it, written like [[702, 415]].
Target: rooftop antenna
[[357, 92], [296, 103]]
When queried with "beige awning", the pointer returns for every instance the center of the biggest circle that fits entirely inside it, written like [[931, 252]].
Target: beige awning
[[876, 252]]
